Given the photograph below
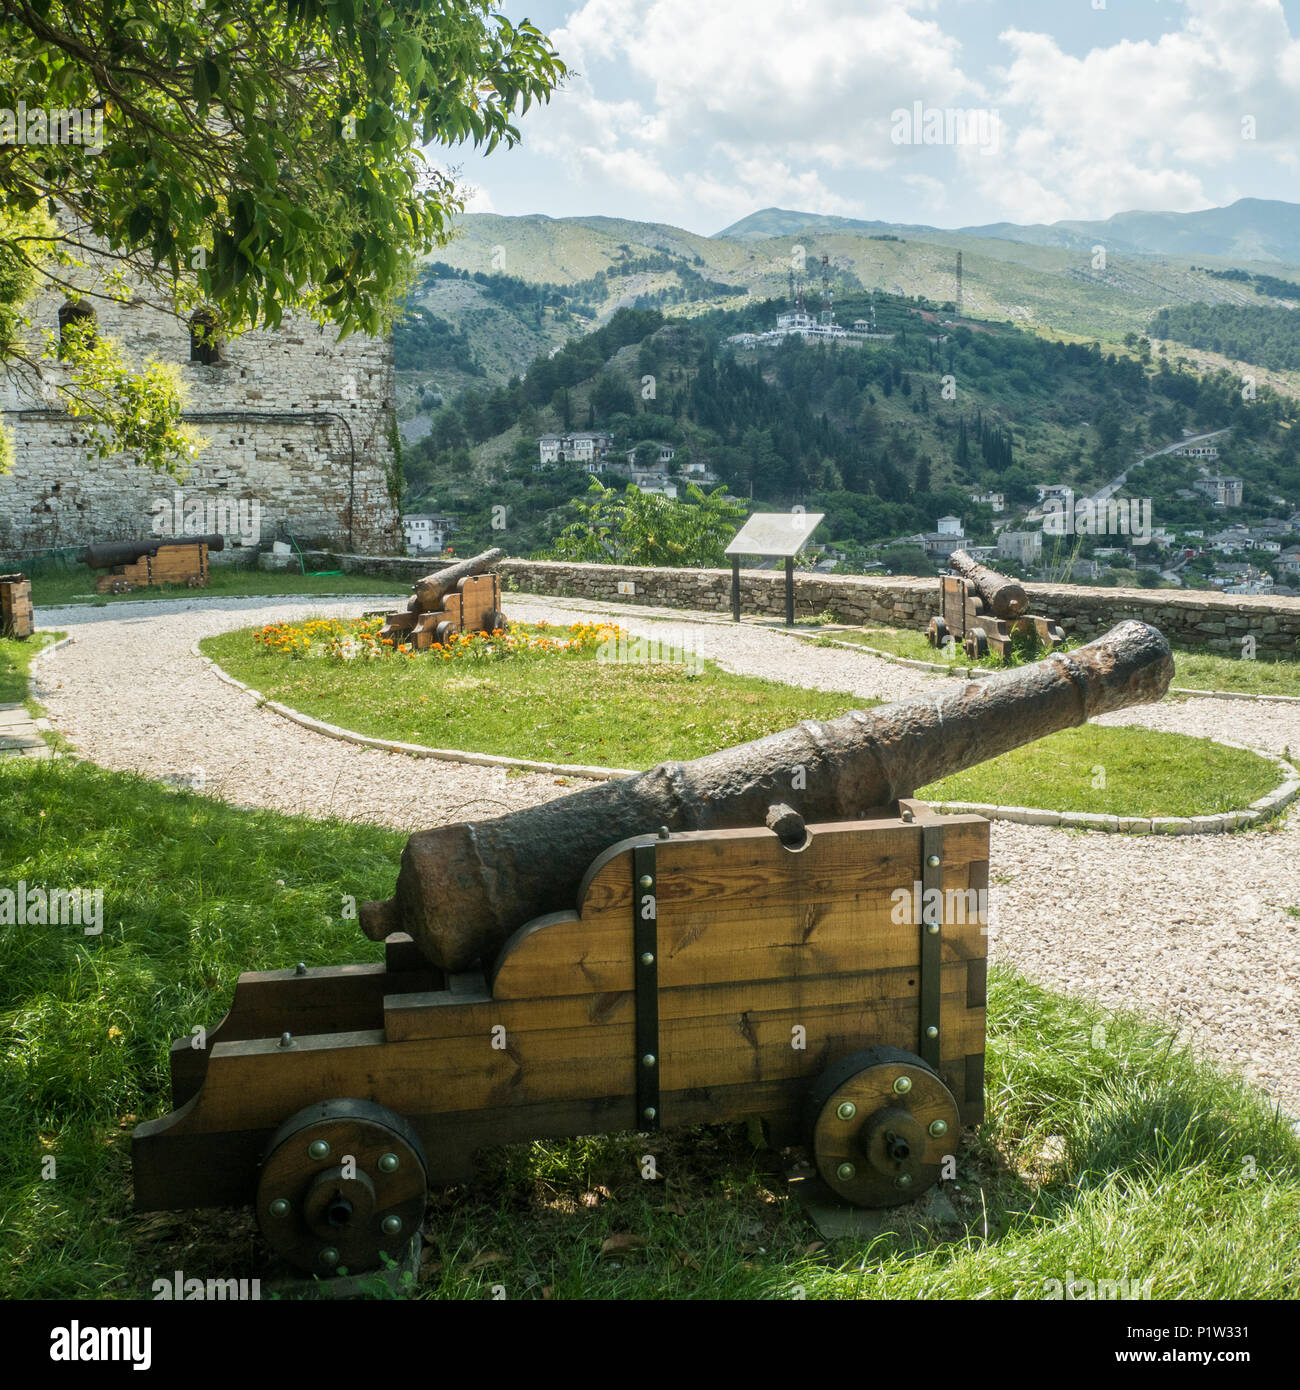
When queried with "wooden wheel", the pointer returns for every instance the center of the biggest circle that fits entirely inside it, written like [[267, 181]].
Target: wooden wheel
[[1055, 633], [342, 1183], [976, 644], [443, 633], [880, 1123], [499, 621], [937, 632], [120, 586]]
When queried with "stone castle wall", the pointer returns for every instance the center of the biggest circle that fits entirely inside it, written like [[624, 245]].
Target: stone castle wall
[[1194, 618], [283, 412]]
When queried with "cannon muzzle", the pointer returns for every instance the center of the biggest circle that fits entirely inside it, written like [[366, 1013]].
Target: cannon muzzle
[[464, 888]]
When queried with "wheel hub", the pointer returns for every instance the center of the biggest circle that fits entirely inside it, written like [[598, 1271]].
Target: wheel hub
[[342, 1185], [877, 1142]]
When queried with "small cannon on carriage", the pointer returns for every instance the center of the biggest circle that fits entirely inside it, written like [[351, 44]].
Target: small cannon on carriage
[[983, 610]]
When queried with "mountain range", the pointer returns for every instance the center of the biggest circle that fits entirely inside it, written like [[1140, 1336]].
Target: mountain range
[[1251, 229]]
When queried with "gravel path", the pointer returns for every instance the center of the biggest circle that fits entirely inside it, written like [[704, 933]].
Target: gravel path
[[1193, 930]]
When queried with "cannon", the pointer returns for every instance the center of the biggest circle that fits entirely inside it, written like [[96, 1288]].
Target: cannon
[[983, 609], [464, 597], [780, 932], [156, 560]]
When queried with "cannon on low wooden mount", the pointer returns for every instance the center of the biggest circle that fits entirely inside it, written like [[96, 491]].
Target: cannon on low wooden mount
[[777, 931], [983, 610], [155, 560], [464, 597]]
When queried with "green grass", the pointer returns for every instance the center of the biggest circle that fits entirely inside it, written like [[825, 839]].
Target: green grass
[[1265, 674], [914, 646], [15, 665], [1120, 771], [77, 585], [1108, 1152], [562, 709], [571, 710]]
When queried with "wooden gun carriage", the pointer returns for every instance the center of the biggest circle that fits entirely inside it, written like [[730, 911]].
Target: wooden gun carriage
[[704, 976], [464, 597], [566, 970], [983, 610], [17, 616], [159, 560]]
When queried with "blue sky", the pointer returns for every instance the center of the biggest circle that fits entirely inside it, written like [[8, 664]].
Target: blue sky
[[697, 112]]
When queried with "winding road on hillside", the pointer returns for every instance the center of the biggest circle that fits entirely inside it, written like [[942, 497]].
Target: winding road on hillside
[[1196, 931]]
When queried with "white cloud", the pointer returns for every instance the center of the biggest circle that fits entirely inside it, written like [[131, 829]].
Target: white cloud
[[1140, 124], [722, 106]]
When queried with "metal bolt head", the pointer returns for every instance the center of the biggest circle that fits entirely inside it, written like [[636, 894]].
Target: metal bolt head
[[938, 1129], [933, 928], [329, 1257], [286, 1039], [646, 881], [388, 1163], [664, 832], [846, 1172], [903, 1180], [391, 1225], [847, 1110], [933, 861], [932, 1032], [300, 968], [649, 1060], [280, 1207], [318, 1149], [902, 1085], [647, 958], [649, 1113]]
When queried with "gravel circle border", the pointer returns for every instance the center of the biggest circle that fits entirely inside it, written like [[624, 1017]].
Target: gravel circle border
[[1258, 811]]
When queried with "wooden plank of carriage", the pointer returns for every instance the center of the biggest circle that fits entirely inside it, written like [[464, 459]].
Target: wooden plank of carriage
[[729, 911], [17, 615], [255, 1083]]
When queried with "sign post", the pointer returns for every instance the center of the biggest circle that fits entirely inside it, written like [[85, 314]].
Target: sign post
[[775, 535]]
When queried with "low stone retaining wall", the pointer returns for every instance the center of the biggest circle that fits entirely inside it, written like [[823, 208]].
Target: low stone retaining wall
[[1194, 618]]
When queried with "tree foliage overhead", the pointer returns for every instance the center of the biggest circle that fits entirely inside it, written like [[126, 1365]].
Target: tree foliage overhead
[[267, 150], [246, 156]]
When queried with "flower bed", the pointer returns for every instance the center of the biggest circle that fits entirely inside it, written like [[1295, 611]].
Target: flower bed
[[358, 639]]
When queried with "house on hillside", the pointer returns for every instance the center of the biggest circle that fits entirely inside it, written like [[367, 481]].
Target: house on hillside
[[426, 534], [666, 453], [1197, 451], [1223, 492], [582, 446], [652, 480], [697, 471], [1022, 546], [996, 500]]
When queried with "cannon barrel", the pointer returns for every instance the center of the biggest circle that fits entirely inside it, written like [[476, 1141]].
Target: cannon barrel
[[429, 592], [1005, 597], [463, 889], [105, 554]]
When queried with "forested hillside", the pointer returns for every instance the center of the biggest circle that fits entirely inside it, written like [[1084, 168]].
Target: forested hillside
[[883, 436], [1262, 334]]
